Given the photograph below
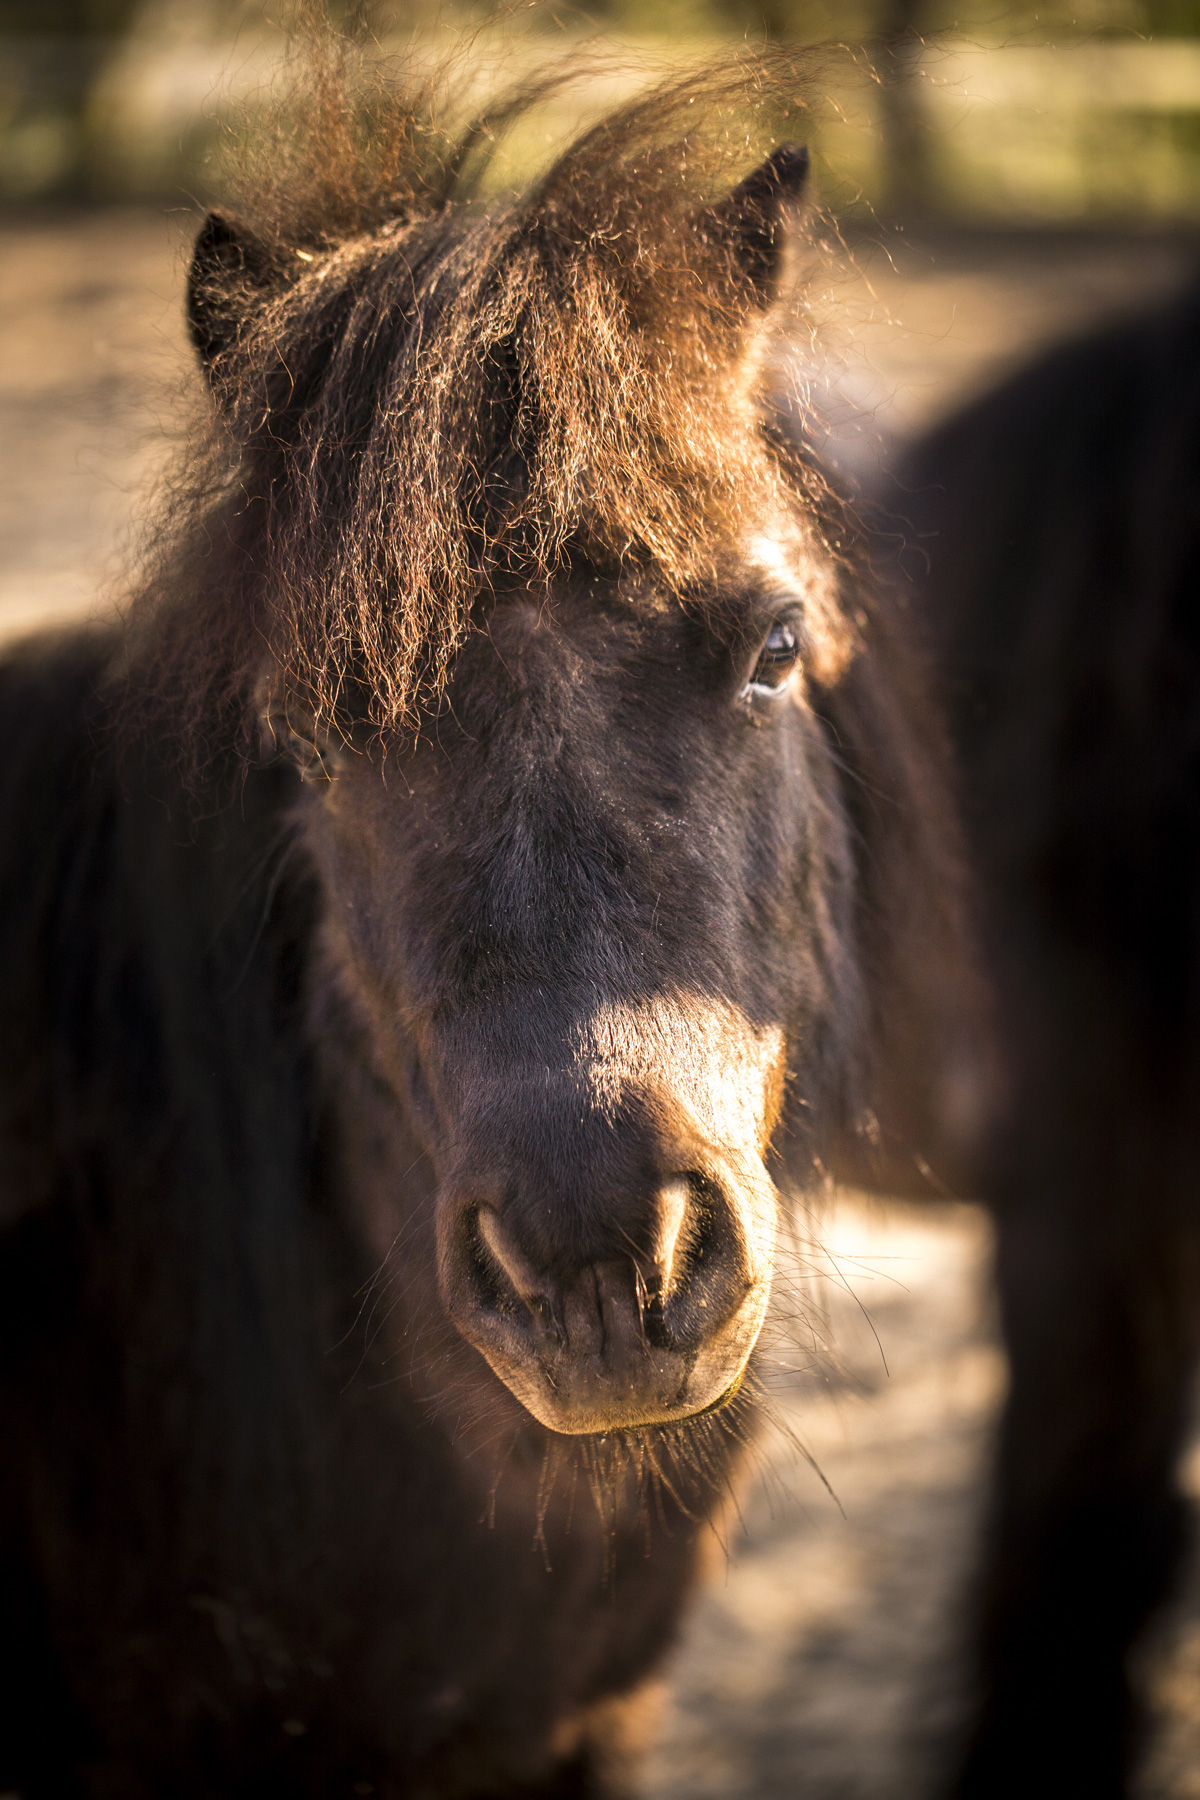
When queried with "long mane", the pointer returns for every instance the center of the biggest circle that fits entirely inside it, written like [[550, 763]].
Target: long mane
[[424, 393]]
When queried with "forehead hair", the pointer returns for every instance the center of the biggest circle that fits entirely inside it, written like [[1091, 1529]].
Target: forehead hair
[[426, 394]]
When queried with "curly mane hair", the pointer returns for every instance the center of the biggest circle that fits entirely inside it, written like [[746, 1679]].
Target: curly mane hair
[[425, 393]]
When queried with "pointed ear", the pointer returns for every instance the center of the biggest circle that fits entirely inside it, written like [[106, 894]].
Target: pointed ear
[[751, 221], [231, 268]]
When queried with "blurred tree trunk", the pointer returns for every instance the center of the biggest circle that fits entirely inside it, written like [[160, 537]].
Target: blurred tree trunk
[[906, 184], [45, 86], [51, 53]]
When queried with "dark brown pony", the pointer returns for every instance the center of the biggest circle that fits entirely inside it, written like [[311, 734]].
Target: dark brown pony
[[1054, 540], [501, 857]]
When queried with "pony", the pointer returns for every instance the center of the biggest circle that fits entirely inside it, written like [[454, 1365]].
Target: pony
[[1053, 552], [499, 858]]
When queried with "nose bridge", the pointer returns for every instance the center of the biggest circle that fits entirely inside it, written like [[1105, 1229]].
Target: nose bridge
[[697, 1058], [576, 1144], [575, 1173]]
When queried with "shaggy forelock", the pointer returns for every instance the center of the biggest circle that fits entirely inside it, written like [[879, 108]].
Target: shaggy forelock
[[432, 393]]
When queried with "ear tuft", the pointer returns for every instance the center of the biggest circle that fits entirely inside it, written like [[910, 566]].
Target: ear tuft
[[750, 221], [229, 266]]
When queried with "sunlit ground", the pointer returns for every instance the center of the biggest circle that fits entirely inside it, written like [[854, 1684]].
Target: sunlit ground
[[823, 1661], [820, 1663]]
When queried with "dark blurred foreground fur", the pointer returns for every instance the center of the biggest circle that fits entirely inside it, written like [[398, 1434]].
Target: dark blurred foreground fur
[[446, 726], [1053, 535]]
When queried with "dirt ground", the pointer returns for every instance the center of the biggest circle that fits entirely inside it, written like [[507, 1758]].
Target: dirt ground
[[822, 1662]]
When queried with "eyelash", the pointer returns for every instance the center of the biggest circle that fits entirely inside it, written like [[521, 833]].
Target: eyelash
[[777, 660]]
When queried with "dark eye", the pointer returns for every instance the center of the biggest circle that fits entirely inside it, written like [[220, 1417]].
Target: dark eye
[[314, 755], [776, 660], [316, 762]]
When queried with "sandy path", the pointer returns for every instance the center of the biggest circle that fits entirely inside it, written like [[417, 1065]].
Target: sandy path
[[817, 1662], [821, 1663], [93, 368]]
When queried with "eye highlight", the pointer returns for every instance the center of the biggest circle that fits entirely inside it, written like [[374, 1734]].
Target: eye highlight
[[776, 663]]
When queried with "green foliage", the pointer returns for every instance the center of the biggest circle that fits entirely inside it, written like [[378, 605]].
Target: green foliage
[[67, 18], [1058, 21], [861, 21], [803, 21], [885, 134], [1173, 18]]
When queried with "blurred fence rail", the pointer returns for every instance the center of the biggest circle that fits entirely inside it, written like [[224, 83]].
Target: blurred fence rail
[[1049, 131], [944, 125]]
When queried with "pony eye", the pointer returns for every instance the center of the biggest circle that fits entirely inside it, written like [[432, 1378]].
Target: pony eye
[[315, 761], [310, 749], [776, 661]]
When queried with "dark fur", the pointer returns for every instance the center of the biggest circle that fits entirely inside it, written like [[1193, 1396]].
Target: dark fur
[[311, 881], [1054, 538]]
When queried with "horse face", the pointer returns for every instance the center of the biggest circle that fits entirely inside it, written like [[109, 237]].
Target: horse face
[[592, 914]]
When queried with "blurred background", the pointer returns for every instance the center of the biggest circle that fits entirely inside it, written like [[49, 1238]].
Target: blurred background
[[1004, 175], [984, 111]]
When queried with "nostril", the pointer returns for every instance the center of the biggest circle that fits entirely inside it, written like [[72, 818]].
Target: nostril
[[507, 1279], [545, 1316], [692, 1285], [672, 1225], [491, 1287], [708, 1227]]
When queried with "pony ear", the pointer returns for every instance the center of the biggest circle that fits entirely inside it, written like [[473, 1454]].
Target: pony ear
[[751, 221], [231, 268]]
